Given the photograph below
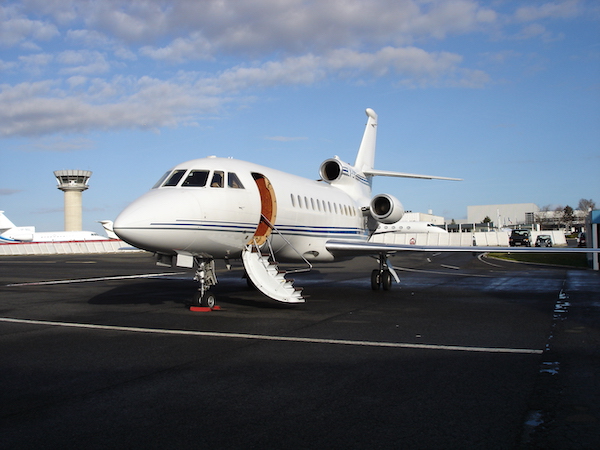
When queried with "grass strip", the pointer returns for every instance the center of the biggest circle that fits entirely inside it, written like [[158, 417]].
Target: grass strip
[[578, 260]]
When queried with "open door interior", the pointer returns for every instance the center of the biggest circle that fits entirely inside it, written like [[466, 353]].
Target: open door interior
[[268, 211]]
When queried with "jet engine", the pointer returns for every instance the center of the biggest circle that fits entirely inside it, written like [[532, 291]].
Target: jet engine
[[386, 208], [332, 170]]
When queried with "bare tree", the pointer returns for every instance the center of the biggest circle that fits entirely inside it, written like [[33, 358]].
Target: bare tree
[[542, 217], [586, 205]]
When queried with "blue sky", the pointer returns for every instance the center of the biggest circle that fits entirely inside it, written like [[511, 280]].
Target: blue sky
[[504, 94]]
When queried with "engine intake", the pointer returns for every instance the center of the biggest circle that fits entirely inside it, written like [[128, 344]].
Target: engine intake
[[386, 208], [331, 170]]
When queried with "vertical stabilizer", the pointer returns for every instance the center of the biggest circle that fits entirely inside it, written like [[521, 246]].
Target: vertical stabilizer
[[5, 224], [365, 159]]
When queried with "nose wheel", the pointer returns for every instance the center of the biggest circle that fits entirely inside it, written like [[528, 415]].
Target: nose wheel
[[206, 299], [206, 276]]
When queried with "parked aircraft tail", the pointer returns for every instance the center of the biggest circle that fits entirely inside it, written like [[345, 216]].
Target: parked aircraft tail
[[5, 223], [108, 227]]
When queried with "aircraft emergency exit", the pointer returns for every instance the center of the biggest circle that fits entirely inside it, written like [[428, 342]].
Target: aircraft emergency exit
[[221, 208]]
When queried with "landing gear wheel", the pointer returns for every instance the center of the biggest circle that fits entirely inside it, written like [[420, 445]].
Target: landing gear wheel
[[208, 300], [375, 279], [386, 280]]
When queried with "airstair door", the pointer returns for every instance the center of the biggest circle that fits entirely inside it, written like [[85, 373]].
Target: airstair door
[[268, 211]]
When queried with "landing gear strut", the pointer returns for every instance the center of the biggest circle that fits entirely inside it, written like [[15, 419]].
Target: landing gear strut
[[206, 276], [382, 277]]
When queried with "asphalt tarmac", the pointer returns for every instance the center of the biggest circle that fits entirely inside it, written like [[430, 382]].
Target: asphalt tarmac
[[465, 353]]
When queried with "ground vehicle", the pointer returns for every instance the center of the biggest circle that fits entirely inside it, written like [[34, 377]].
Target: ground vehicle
[[543, 240], [581, 242], [520, 238]]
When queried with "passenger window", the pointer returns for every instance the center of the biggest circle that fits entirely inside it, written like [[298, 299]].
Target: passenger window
[[196, 178], [174, 179], [233, 181], [293, 200], [217, 179], [163, 178]]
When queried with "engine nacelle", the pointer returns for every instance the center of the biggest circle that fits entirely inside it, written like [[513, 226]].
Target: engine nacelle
[[333, 169], [386, 208]]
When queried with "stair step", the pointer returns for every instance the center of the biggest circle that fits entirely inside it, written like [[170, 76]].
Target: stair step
[[269, 279]]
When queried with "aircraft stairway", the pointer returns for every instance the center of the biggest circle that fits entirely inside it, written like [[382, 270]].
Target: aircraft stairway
[[264, 272]]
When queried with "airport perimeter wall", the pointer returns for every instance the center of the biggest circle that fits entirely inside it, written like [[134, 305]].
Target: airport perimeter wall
[[491, 238], [62, 248], [484, 239]]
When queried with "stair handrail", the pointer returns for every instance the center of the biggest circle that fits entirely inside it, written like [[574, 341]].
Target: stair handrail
[[272, 252]]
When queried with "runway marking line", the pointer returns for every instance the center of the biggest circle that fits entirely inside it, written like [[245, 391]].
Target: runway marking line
[[88, 280], [263, 337]]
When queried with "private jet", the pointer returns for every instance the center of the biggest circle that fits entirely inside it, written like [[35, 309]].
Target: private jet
[[12, 234], [221, 208]]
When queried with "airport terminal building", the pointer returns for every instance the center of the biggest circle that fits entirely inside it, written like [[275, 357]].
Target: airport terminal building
[[509, 215]]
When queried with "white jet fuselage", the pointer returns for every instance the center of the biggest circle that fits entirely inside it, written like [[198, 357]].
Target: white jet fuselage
[[220, 218]]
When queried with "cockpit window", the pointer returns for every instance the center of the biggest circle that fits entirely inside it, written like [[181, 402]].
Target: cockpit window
[[163, 178], [217, 179], [174, 179], [233, 181], [196, 178]]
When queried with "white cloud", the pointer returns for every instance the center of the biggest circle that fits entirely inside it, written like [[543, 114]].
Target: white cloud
[[82, 62], [33, 109], [557, 9], [233, 48], [16, 28], [181, 49]]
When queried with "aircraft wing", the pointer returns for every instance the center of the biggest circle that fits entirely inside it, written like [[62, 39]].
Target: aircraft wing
[[387, 173], [341, 247]]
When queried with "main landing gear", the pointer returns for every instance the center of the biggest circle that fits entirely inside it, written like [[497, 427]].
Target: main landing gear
[[382, 277], [206, 276]]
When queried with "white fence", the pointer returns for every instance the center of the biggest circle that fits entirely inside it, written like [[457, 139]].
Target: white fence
[[482, 239], [59, 248]]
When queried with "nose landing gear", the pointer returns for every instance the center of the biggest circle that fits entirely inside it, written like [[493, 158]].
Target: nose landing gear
[[206, 276]]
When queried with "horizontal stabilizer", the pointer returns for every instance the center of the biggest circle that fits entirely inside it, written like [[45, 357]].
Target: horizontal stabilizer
[[387, 173]]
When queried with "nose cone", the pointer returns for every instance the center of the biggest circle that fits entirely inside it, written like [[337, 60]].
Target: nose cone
[[146, 223]]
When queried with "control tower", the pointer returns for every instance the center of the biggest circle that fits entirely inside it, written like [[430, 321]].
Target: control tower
[[72, 183]]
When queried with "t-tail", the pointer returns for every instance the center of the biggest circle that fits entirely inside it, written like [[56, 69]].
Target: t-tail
[[5, 223], [357, 180]]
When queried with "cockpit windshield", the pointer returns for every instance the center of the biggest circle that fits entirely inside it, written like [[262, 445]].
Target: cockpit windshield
[[174, 178], [196, 178], [217, 179], [199, 178], [163, 178], [233, 181]]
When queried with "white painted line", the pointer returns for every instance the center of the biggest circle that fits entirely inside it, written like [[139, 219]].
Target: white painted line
[[438, 272], [88, 280], [274, 338], [446, 266], [481, 257]]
